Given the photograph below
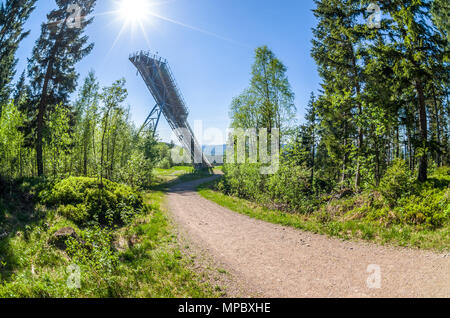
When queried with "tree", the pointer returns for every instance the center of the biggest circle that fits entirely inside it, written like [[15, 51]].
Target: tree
[[13, 15], [112, 98], [61, 45], [418, 50], [302, 150], [22, 90], [440, 11], [11, 142], [269, 101], [337, 38], [59, 140], [272, 92], [379, 84], [311, 125], [86, 109], [244, 111]]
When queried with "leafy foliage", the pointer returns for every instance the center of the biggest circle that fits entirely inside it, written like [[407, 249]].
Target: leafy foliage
[[147, 265], [269, 102], [291, 186], [11, 142], [13, 15], [51, 67], [244, 180], [83, 199], [94, 249], [397, 182]]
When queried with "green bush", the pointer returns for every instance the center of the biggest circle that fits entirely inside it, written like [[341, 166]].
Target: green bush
[[399, 201], [94, 249], [68, 191], [164, 164], [430, 208], [83, 200], [291, 186], [138, 171], [397, 182], [244, 181], [77, 214]]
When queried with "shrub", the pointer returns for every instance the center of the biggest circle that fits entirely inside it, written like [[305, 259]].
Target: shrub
[[244, 181], [397, 182], [68, 191], [431, 208], [138, 171], [94, 249], [291, 185], [164, 164], [76, 214], [83, 200]]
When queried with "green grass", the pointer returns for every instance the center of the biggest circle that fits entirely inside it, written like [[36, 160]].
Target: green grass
[[173, 172], [355, 229], [165, 178], [140, 259]]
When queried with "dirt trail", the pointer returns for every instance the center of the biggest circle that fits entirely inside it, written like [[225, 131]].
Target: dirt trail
[[276, 261]]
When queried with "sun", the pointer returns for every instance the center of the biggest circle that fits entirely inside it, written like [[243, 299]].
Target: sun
[[134, 11], [135, 16]]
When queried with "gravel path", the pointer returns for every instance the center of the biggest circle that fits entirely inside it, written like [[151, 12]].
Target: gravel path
[[276, 261]]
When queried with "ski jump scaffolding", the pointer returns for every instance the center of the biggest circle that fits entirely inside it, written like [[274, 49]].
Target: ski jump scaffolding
[[158, 77]]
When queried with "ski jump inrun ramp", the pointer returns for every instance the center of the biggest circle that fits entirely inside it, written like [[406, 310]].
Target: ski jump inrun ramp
[[158, 77]]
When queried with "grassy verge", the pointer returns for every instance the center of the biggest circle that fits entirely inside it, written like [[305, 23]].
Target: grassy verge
[[139, 258], [165, 178], [168, 175], [356, 229]]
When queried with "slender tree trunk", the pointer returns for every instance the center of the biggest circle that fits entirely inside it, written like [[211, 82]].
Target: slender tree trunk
[[105, 128], [358, 164], [397, 142], [410, 156], [313, 164], [113, 150], [108, 148], [94, 152], [377, 163], [344, 161], [423, 130], [438, 128], [85, 159], [86, 142], [360, 111]]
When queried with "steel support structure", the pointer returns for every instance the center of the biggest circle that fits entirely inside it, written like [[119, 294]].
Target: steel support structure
[[153, 119], [158, 77]]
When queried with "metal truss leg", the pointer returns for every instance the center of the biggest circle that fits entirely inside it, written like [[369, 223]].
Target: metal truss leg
[[153, 119]]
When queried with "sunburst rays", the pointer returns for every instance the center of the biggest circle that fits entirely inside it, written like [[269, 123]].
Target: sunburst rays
[[138, 20]]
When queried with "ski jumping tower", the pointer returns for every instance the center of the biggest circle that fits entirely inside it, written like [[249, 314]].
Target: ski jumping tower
[[169, 101]]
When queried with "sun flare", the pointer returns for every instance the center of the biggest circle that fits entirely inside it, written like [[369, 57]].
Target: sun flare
[[139, 17], [134, 11]]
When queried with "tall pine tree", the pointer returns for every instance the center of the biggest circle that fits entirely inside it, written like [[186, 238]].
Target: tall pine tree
[[335, 49], [418, 50], [22, 90], [13, 15], [51, 68], [440, 11]]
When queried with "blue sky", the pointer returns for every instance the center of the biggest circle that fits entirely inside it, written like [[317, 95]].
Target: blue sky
[[210, 50]]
